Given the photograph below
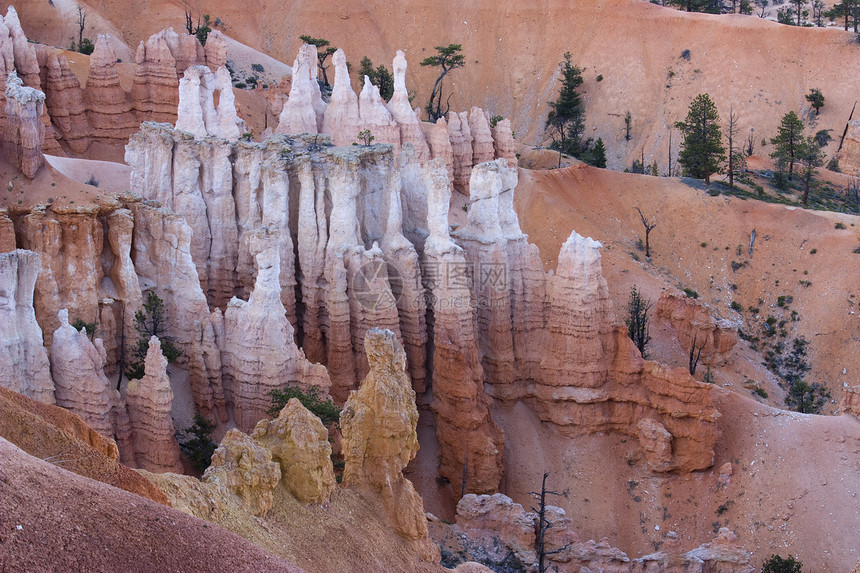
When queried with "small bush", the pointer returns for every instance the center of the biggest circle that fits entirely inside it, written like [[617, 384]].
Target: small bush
[[839, 225], [735, 306], [686, 55], [600, 77], [761, 392], [708, 378], [241, 85], [494, 121], [197, 443], [89, 326], [776, 564], [92, 181], [258, 68], [813, 251], [86, 47], [691, 293], [320, 406]]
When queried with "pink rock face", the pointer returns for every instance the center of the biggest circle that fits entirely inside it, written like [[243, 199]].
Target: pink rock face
[[23, 131], [65, 102], [440, 144], [24, 366], [376, 118], [24, 53], [300, 112], [154, 94], [503, 142], [461, 145], [149, 400], [108, 109], [258, 351], [694, 321], [482, 138], [402, 112], [484, 517], [342, 120], [7, 233], [77, 367]]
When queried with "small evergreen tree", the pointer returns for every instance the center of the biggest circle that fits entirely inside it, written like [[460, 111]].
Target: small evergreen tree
[[789, 137], [598, 154], [448, 58], [816, 99], [637, 320], [197, 443], [702, 150], [365, 68], [566, 120], [811, 157], [149, 322]]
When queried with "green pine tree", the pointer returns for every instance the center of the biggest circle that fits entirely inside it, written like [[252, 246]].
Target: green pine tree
[[702, 150], [599, 154], [789, 137], [566, 120]]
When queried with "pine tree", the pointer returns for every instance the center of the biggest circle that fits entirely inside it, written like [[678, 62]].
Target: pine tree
[[324, 50], [365, 68], [637, 320], [816, 99], [789, 137], [599, 154], [447, 59], [566, 119], [702, 150], [811, 157]]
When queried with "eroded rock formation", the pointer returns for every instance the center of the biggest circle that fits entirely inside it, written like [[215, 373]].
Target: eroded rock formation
[[696, 325], [243, 468], [302, 111], [379, 423], [23, 130], [402, 112], [299, 443], [24, 365], [80, 384], [149, 401], [342, 120], [108, 109], [259, 352]]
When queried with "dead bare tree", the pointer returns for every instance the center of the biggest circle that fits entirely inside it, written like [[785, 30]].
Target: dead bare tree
[[82, 22], [731, 132], [543, 525], [648, 228], [669, 173], [695, 354], [750, 142]]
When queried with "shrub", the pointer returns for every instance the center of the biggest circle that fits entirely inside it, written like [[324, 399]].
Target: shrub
[[691, 293], [735, 306], [89, 326], [320, 406], [85, 47], [839, 225], [92, 181], [494, 121], [761, 392], [258, 68], [197, 443], [600, 77], [813, 251], [686, 55], [776, 564]]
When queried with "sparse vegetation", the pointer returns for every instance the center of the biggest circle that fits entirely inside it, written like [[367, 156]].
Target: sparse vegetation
[[366, 137], [379, 76], [566, 120], [691, 293], [90, 327], [637, 320], [324, 50], [815, 99], [320, 406]]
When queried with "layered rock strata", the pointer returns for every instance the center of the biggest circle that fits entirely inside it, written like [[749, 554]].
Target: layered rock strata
[[379, 423], [149, 400], [24, 365], [108, 109]]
